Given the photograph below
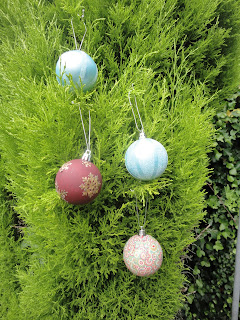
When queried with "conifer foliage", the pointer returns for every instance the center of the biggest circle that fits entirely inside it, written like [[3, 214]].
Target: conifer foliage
[[60, 261]]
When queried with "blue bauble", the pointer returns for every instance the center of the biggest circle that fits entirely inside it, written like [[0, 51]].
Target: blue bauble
[[76, 65], [146, 159]]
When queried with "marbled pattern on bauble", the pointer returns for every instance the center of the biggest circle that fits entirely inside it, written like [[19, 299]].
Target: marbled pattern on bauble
[[143, 255], [77, 64], [146, 159]]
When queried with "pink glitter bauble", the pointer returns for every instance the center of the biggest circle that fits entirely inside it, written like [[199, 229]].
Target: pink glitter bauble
[[142, 255]]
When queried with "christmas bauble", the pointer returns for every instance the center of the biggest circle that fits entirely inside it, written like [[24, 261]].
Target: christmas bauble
[[78, 66], [142, 255], [78, 181], [146, 159]]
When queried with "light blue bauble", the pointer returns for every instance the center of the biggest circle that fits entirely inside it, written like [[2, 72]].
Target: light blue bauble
[[76, 65], [146, 159]]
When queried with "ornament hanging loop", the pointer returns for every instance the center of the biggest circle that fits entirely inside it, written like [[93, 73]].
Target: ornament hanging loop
[[87, 154], [82, 17], [141, 131], [142, 228], [75, 39]]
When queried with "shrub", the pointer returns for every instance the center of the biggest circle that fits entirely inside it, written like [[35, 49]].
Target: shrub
[[73, 267], [213, 261]]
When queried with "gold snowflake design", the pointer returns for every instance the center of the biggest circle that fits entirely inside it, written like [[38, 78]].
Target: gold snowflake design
[[86, 163], [90, 185], [62, 193], [65, 166]]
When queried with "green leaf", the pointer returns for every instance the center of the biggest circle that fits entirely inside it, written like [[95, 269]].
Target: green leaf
[[226, 234], [200, 253], [230, 165], [212, 257], [196, 270], [190, 298], [233, 172], [229, 300], [209, 246], [199, 283], [213, 202], [218, 246], [223, 225], [230, 178], [205, 263], [217, 155]]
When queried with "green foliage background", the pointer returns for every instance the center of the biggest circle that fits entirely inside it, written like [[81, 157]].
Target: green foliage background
[[63, 261], [213, 255]]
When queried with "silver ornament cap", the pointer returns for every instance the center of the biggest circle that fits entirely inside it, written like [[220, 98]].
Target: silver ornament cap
[[87, 155], [142, 231], [142, 134]]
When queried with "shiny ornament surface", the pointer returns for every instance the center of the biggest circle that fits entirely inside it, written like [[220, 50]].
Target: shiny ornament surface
[[78, 181], [77, 64], [143, 255], [146, 159]]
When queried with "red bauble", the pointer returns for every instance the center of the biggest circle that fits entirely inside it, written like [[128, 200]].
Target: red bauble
[[78, 181]]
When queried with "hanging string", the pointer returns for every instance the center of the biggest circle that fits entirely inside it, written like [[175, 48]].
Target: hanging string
[[76, 45], [138, 216], [140, 119], [75, 39], [89, 130], [82, 16], [87, 153]]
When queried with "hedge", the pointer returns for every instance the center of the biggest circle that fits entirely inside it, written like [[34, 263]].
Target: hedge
[[66, 261], [212, 262]]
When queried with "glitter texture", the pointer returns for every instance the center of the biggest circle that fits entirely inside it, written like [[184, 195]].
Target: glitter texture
[[146, 159]]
